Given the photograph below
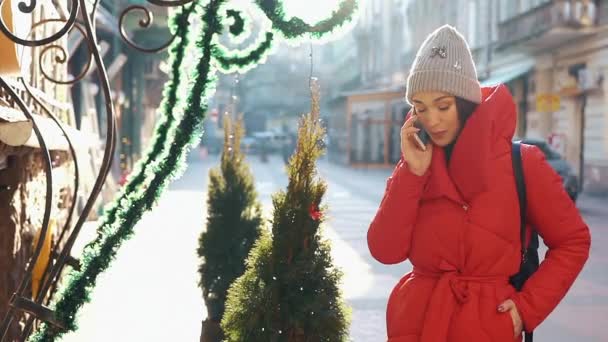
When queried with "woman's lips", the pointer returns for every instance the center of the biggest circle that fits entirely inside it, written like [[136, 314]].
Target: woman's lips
[[439, 134]]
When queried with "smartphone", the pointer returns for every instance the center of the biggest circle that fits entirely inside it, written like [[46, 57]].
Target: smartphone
[[421, 137]]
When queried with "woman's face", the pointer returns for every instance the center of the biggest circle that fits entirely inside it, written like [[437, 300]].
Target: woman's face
[[438, 115]]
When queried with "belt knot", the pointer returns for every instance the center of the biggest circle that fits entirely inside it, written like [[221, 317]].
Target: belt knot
[[460, 289]]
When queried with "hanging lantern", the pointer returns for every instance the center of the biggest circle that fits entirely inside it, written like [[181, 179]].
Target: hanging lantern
[[15, 57]]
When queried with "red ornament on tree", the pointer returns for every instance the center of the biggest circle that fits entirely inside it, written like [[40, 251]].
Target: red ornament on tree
[[314, 212]]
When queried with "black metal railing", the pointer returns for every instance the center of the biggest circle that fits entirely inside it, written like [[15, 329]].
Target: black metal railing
[[86, 10]]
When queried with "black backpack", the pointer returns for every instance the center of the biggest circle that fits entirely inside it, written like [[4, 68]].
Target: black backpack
[[529, 254]]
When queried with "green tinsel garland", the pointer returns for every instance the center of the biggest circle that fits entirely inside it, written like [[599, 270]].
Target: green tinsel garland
[[242, 61], [231, 61], [178, 25], [165, 160], [238, 27], [296, 27]]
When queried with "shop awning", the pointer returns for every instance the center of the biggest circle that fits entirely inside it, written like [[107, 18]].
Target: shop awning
[[509, 72]]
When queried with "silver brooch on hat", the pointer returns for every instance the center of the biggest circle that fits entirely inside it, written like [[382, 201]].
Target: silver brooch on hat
[[457, 66], [439, 51]]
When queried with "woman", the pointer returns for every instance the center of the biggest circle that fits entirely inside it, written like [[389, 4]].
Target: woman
[[452, 210]]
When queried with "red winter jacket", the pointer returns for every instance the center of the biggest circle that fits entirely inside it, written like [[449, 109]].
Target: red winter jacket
[[459, 227]]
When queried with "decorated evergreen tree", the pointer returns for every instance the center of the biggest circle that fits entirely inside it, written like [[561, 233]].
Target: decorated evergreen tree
[[290, 290], [233, 224]]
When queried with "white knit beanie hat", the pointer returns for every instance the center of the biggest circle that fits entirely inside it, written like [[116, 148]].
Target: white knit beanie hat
[[444, 63]]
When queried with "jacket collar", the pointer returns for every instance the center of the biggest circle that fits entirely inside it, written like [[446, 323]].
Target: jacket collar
[[468, 172]]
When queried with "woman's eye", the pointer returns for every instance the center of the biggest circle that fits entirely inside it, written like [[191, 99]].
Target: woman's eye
[[443, 109], [420, 111]]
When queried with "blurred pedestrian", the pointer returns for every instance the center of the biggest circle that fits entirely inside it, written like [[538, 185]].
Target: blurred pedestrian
[[451, 207]]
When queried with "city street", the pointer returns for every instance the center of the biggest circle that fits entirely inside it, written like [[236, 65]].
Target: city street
[[144, 80], [151, 293]]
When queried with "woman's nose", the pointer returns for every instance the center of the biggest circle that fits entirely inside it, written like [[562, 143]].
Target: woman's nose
[[432, 120]]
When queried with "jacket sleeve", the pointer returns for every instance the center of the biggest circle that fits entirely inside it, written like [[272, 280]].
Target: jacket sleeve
[[557, 220], [389, 234]]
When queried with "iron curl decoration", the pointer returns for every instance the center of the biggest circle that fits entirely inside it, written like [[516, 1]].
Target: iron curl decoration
[[44, 41], [143, 23], [63, 55], [27, 8]]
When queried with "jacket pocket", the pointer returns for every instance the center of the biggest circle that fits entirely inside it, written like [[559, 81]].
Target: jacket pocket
[[498, 326], [507, 324]]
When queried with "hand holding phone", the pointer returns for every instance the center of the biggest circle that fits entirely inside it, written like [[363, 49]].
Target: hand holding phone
[[415, 147], [421, 137]]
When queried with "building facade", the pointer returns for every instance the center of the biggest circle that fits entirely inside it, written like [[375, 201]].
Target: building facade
[[569, 43], [368, 66], [552, 54]]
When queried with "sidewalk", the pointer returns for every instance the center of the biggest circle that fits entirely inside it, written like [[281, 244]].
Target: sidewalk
[[587, 204]]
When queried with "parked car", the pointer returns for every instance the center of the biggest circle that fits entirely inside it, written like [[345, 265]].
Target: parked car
[[559, 164]]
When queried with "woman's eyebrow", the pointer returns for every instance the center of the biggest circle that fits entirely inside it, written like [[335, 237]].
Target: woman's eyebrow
[[441, 98]]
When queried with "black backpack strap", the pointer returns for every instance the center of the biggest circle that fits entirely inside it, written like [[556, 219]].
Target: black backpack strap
[[521, 193]]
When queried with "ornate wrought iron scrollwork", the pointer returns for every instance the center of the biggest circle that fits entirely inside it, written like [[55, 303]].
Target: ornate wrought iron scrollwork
[[44, 41], [23, 7], [63, 57], [66, 228], [107, 158], [47, 205], [63, 255], [143, 23], [87, 29]]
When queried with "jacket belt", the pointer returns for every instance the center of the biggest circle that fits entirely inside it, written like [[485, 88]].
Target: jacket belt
[[451, 291]]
